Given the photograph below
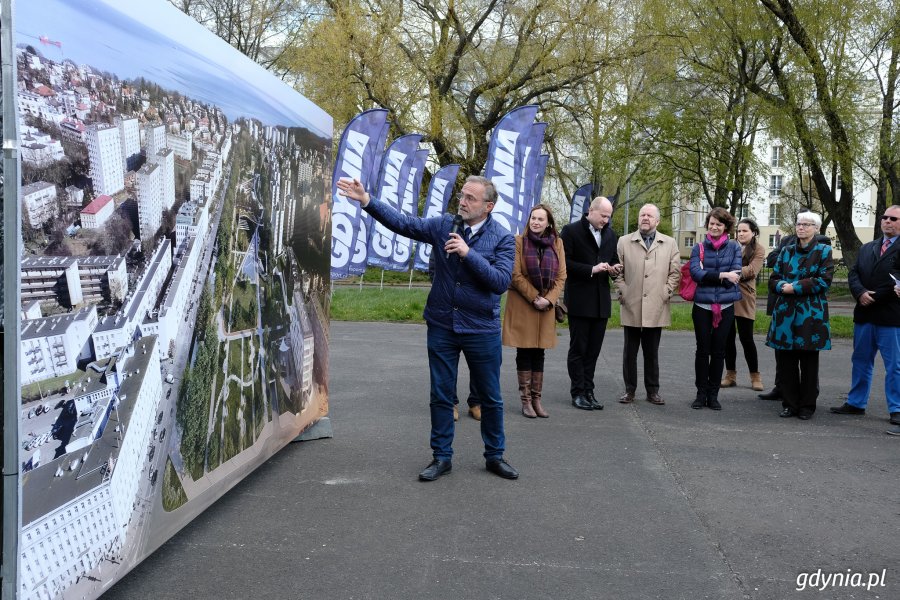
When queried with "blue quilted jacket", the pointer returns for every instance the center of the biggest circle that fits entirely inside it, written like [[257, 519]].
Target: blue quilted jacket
[[465, 293], [711, 289]]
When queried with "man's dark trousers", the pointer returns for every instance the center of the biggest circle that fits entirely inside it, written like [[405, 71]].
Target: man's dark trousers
[[585, 341]]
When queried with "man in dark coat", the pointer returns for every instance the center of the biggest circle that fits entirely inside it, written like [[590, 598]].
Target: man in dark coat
[[876, 319], [590, 246]]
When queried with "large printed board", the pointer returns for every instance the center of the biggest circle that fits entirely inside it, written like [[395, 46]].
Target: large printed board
[[174, 280]]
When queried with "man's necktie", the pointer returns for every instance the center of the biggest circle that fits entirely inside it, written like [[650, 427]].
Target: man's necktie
[[467, 233], [885, 246]]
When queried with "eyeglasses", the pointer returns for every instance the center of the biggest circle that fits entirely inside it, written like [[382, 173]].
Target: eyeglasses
[[467, 197], [806, 224], [889, 218]]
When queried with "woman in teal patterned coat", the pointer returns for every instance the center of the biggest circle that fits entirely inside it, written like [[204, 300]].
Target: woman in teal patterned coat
[[799, 329]]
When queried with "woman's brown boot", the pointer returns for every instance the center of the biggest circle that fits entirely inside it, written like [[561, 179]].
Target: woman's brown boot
[[730, 379], [525, 393], [756, 382], [537, 384]]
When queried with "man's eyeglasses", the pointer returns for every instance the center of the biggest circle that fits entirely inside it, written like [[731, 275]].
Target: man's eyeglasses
[[889, 218], [806, 224], [467, 197]]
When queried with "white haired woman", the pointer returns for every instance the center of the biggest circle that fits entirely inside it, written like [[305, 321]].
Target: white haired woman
[[799, 329]]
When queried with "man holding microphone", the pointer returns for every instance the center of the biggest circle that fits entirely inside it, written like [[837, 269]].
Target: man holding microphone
[[462, 311]]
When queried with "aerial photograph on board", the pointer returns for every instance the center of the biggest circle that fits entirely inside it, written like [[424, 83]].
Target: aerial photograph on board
[[175, 203]]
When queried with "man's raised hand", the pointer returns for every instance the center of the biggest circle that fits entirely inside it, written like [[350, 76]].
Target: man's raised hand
[[353, 189]]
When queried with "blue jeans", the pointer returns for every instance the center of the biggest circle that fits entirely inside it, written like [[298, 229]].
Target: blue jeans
[[867, 340], [483, 354]]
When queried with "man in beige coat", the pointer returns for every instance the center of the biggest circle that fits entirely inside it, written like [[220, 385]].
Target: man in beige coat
[[651, 271]]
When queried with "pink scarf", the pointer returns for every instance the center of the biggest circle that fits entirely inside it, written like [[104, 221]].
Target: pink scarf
[[717, 308]]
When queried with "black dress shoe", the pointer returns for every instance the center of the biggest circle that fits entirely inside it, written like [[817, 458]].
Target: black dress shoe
[[847, 409], [435, 469], [787, 412], [775, 394], [895, 418], [501, 468], [582, 403], [700, 401], [805, 415], [595, 404]]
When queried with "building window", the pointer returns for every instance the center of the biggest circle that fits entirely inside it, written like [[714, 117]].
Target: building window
[[689, 241], [774, 214], [840, 182], [742, 211], [775, 182], [776, 157]]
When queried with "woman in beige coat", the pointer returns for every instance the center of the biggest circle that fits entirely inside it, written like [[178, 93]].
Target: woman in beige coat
[[529, 323], [745, 309]]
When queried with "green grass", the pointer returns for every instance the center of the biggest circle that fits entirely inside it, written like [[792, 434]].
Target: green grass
[[235, 361], [54, 385], [243, 306], [373, 276], [173, 495], [214, 448], [405, 306], [232, 435], [249, 429], [259, 412]]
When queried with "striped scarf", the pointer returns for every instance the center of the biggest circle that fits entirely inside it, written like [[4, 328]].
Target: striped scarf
[[541, 262]]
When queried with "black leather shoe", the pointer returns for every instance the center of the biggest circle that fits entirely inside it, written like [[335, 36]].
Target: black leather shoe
[[895, 418], [700, 402], [501, 468], [804, 415], [595, 404], [775, 394], [435, 469], [582, 403], [787, 412], [847, 409]]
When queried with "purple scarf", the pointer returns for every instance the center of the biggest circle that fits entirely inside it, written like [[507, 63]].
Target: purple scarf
[[717, 308], [541, 262]]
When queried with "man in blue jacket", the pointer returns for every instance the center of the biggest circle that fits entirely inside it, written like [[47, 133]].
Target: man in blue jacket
[[462, 312], [876, 319]]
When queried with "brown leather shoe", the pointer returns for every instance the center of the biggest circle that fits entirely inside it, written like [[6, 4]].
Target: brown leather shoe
[[475, 412], [627, 398], [655, 398]]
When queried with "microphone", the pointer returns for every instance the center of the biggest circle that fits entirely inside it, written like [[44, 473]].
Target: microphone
[[456, 228]]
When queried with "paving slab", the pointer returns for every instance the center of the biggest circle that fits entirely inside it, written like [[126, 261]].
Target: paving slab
[[632, 502]]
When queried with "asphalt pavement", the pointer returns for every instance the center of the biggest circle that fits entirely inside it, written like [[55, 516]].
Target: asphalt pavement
[[631, 502]]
